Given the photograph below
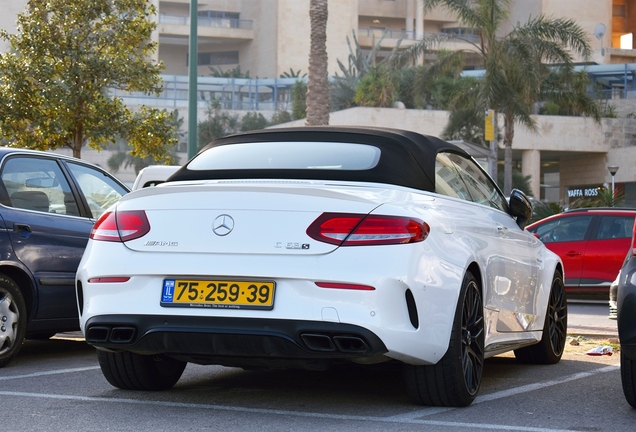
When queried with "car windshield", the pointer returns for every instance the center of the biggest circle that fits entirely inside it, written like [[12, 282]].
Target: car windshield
[[288, 155]]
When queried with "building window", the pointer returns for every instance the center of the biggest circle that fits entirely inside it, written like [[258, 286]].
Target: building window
[[217, 58], [218, 14]]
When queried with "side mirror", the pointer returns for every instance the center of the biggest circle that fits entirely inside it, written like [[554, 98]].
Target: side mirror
[[520, 207]]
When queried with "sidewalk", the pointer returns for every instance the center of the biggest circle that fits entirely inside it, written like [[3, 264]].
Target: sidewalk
[[594, 329]]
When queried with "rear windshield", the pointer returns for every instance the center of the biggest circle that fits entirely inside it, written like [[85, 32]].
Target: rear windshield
[[288, 155]]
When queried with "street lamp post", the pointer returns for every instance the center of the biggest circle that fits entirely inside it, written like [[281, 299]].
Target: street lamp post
[[612, 169]]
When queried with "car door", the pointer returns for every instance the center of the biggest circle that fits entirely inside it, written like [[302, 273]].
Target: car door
[[511, 270], [605, 250], [568, 238], [48, 225]]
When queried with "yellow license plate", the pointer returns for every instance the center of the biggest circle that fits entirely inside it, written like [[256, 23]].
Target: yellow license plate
[[224, 294]]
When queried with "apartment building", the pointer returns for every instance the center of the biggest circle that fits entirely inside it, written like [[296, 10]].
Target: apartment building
[[267, 38]]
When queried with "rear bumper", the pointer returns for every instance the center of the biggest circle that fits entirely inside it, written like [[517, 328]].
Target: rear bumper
[[626, 302], [250, 343]]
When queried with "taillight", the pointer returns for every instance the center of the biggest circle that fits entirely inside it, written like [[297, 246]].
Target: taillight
[[121, 226], [347, 229]]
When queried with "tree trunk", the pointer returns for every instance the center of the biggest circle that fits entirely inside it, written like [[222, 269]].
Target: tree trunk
[[78, 138], [509, 133], [318, 84]]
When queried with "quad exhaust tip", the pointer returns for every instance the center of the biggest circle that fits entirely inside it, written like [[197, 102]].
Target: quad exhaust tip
[[335, 343], [114, 334]]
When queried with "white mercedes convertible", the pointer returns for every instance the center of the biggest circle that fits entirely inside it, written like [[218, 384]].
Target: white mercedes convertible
[[307, 247]]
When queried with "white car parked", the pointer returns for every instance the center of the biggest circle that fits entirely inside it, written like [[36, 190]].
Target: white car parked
[[305, 247], [153, 175]]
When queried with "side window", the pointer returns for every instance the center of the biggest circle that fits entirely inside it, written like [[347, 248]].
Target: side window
[[615, 227], [99, 190], [447, 179], [467, 180], [38, 184], [564, 229]]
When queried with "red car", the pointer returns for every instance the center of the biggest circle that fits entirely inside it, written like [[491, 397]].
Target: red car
[[592, 242]]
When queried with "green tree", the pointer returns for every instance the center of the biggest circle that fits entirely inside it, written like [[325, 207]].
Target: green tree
[[375, 89], [516, 64], [123, 157], [318, 83], [217, 124], [252, 121], [280, 117], [343, 88], [65, 60], [299, 100]]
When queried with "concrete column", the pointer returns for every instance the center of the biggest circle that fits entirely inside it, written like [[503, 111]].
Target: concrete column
[[531, 166], [419, 20], [410, 9]]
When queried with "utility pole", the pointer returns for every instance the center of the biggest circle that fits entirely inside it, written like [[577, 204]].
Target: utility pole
[[193, 57]]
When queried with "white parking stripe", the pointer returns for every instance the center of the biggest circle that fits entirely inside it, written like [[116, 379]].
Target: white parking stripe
[[504, 393], [54, 372], [540, 385], [412, 417], [280, 412]]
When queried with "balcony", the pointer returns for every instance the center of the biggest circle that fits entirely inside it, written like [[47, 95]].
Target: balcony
[[208, 28], [368, 37]]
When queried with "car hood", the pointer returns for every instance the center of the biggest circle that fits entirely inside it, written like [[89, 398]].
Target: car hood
[[247, 217]]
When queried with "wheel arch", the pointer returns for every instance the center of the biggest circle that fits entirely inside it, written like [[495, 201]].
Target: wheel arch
[[26, 285]]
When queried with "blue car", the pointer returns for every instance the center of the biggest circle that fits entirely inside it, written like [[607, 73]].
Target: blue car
[[48, 205]]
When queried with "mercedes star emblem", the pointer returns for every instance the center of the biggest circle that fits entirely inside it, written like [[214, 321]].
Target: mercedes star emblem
[[223, 225]]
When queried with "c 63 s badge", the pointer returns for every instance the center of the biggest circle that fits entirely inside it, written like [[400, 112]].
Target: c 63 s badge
[[291, 245]]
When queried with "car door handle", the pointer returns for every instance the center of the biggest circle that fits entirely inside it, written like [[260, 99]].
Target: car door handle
[[502, 230], [573, 253], [23, 230]]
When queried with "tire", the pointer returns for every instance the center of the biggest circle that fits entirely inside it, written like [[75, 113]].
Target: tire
[[13, 319], [550, 348], [628, 379], [129, 371], [455, 380]]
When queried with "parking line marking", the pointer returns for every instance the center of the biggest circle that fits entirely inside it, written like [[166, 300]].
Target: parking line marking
[[280, 412], [53, 372], [424, 412], [412, 417], [540, 385]]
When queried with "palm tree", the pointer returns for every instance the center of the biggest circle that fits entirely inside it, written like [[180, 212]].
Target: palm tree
[[516, 64], [318, 84]]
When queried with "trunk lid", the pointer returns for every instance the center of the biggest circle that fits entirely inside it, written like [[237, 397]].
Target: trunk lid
[[245, 217]]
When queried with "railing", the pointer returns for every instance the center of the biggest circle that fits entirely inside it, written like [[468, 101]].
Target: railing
[[230, 93], [613, 94], [207, 21], [272, 94], [411, 35]]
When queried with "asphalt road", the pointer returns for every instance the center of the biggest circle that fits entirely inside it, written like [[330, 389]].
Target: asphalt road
[[57, 385]]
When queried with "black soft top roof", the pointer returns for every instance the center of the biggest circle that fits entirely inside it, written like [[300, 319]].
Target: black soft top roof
[[407, 158]]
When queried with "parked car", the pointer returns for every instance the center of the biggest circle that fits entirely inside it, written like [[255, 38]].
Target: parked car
[[306, 247], [626, 321], [48, 205], [153, 175], [592, 242]]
